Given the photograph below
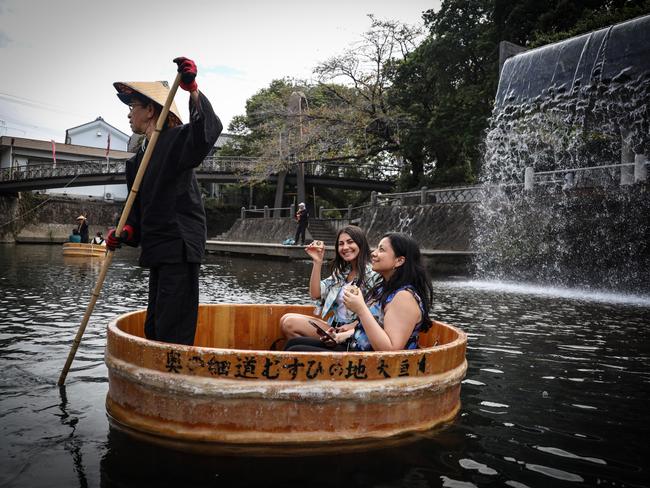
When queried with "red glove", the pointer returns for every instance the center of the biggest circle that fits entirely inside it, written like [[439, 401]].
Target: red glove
[[187, 69], [113, 242]]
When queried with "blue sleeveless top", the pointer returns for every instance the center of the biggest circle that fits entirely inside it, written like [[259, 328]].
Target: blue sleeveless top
[[359, 340]]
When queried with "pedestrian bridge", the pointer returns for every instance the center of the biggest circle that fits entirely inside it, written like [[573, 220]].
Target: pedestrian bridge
[[211, 170]]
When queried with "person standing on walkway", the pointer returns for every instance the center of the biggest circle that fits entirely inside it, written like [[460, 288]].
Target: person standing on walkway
[[82, 228], [168, 219], [302, 216]]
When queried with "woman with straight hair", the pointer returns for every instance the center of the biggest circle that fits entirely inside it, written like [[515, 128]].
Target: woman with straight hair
[[393, 313], [350, 266]]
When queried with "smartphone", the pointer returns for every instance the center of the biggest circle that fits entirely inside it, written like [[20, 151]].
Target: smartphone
[[321, 330]]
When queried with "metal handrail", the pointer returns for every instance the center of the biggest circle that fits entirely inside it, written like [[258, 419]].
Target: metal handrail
[[62, 169], [588, 168], [229, 164]]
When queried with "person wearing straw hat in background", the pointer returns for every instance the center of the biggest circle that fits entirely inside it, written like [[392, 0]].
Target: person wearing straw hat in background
[[82, 228], [167, 219]]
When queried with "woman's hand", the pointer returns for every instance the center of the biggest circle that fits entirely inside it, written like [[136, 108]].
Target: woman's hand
[[340, 336], [346, 327], [353, 299], [343, 335], [316, 251]]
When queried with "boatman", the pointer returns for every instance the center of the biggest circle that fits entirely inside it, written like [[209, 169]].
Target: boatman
[[167, 219], [82, 228]]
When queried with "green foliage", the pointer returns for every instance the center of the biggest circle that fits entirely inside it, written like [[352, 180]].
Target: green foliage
[[446, 86], [586, 17]]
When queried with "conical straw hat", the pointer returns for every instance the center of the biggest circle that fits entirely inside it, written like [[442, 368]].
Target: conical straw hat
[[156, 91]]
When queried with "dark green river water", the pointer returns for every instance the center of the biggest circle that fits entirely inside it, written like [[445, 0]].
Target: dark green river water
[[556, 393]]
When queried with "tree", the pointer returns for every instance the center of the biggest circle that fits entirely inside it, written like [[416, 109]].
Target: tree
[[360, 79], [346, 117], [447, 85]]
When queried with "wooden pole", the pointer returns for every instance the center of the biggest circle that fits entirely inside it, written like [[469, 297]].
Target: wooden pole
[[125, 214]]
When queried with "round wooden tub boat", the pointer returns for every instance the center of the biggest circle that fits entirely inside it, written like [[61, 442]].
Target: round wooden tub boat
[[230, 389], [82, 250]]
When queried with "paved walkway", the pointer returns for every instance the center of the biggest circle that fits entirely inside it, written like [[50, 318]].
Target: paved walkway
[[297, 252]]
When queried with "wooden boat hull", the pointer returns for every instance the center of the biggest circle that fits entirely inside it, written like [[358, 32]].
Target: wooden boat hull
[[230, 389], [81, 250]]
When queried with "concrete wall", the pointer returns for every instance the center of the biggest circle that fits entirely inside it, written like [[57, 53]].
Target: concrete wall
[[438, 226], [268, 231], [8, 213], [54, 220], [40, 218]]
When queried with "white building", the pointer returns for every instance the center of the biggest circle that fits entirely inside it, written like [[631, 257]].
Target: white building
[[96, 134]]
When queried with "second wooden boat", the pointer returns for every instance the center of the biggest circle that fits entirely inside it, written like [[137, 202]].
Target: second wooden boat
[[81, 250]]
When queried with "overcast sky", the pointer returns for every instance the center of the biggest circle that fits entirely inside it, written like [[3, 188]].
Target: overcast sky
[[60, 58]]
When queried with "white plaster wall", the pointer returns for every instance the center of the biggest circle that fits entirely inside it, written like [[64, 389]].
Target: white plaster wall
[[95, 134]]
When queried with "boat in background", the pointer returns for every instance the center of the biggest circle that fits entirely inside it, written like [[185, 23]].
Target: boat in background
[[230, 391], [81, 250]]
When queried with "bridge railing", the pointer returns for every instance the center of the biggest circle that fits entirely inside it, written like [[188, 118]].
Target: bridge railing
[[227, 164], [347, 170], [221, 164], [246, 166], [62, 169]]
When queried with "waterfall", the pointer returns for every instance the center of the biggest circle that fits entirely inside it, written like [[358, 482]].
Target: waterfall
[[566, 196]]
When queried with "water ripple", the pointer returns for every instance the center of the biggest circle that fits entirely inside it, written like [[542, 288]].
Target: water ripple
[[553, 391]]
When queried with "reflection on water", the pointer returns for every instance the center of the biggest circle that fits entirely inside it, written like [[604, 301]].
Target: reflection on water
[[555, 395]]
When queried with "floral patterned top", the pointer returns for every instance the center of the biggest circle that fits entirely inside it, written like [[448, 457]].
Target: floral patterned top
[[330, 288], [359, 341]]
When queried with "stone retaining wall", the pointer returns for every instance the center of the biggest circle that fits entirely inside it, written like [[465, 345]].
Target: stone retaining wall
[[268, 231], [50, 219], [437, 226], [8, 215]]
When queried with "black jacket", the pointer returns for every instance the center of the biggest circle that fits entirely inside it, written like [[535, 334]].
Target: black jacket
[[83, 231], [168, 214], [302, 216]]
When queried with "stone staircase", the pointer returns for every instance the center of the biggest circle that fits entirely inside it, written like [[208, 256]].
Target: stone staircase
[[320, 230]]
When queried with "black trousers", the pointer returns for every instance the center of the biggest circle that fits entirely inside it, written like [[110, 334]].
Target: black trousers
[[173, 303], [312, 344], [300, 231]]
